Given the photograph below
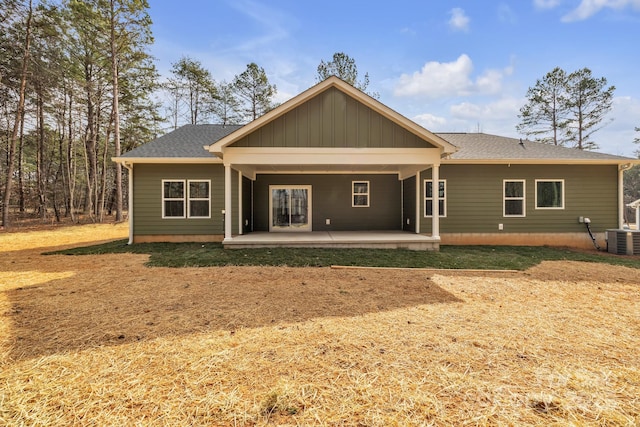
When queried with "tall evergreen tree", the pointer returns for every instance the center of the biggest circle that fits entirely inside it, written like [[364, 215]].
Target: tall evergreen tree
[[588, 102], [6, 200], [344, 67], [545, 115], [196, 85], [253, 87], [566, 109]]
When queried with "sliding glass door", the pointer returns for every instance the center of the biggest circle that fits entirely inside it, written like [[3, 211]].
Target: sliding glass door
[[290, 208]]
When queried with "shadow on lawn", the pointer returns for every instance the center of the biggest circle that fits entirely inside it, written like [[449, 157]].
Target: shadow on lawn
[[111, 302]]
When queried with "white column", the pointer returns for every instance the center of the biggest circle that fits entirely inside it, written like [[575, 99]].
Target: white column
[[435, 188], [227, 202], [418, 204], [130, 210], [240, 220], [621, 170]]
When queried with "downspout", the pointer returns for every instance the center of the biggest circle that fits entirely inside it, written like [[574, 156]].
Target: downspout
[[621, 169], [130, 203]]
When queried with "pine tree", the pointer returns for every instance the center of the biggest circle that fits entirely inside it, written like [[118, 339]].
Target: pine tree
[[253, 86], [545, 115]]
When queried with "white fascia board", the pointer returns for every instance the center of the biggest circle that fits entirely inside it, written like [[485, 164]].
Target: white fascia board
[[331, 156], [537, 162], [176, 160]]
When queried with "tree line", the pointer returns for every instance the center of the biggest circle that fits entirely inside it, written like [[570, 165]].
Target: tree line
[[78, 87]]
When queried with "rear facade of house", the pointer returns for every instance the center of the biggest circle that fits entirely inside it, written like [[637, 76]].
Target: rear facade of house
[[335, 160]]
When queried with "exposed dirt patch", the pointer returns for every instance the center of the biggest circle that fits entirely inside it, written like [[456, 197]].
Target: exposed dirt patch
[[105, 340]]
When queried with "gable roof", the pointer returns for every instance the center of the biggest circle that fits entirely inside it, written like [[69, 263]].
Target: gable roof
[[186, 142], [333, 82], [485, 148]]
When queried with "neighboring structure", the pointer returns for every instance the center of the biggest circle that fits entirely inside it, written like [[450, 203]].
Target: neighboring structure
[[334, 159]]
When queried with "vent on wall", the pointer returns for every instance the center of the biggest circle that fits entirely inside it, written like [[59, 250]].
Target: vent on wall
[[623, 242]]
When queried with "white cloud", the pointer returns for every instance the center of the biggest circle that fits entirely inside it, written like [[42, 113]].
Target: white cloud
[[546, 4], [459, 20], [506, 14], [430, 121], [448, 79], [588, 8]]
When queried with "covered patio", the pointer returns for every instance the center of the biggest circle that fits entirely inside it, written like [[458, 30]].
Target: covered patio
[[335, 239]]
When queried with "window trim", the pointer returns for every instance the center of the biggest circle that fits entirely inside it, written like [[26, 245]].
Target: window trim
[[198, 199], [183, 199], [186, 199], [523, 198], [353, 194], [444, 198], [562, 195]]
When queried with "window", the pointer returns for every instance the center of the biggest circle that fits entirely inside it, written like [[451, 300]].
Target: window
[[359, 194], [513, 198], [173, 200], [549, 194], [428, 198], [186, 199], [199, 197]]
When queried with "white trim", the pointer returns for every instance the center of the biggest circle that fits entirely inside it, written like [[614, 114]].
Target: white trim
[[308, 226], [198, 199], [549, 207], [418, 195], [354, 194], [446, 161], [240, 219], [176, 160], [130, 207], [435, 218], [183, 199], [444, 199], [228, 203], [523, 198], [276, 156]]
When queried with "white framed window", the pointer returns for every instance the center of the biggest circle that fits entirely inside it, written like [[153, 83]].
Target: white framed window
[[173, 198], [186, 198], [549, 193], [360, 194], [513, 197], [429, 198], [199, 199]]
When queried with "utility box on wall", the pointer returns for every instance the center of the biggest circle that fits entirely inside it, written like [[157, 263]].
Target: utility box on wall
[[623, 242]]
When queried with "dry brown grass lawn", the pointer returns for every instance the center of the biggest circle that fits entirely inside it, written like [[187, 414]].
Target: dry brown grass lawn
[[103, 340]]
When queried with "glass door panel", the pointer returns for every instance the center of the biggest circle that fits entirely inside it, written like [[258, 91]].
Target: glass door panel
[[290, 208]]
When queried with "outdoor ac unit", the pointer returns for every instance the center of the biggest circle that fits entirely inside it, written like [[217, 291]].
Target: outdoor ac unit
[[623, 242]]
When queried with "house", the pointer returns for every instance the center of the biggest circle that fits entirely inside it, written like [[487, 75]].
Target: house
[[335, 167]]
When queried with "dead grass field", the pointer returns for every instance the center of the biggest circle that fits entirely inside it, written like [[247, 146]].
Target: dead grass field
[[103, 340]]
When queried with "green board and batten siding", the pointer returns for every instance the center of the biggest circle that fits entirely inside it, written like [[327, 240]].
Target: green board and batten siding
[[332, 119], [475, 203], [147, 195]]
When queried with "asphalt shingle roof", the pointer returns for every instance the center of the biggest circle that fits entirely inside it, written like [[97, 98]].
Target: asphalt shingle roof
[[186, 142], [481, 146]]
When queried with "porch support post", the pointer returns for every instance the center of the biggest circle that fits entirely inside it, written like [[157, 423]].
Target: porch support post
[[418, 202], [435, 188], [240, 220], [227, 202]]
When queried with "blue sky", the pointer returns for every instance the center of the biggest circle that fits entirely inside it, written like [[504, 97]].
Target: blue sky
[[449, 65]]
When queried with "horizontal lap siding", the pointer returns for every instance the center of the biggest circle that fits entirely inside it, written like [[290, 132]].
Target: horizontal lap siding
[[475, 198], [147, 195], [331, 199]]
